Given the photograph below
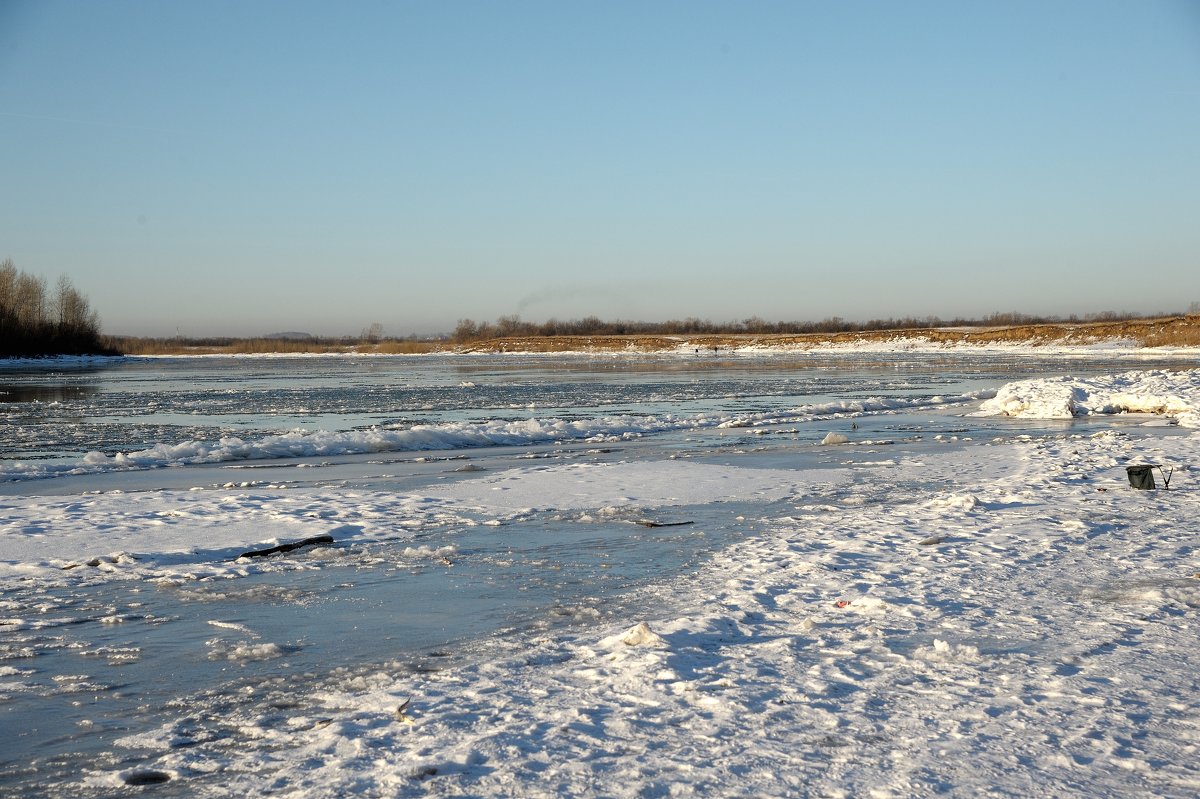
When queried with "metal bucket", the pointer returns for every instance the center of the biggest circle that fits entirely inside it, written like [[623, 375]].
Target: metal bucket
[[1141, 477]]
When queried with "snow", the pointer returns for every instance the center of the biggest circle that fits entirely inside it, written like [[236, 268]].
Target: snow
[[187, 535], [1024, 628], [1116, 348], [1028, 634], [1173, 394]]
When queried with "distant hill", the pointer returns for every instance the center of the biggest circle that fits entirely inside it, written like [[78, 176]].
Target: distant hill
[[290, 335]]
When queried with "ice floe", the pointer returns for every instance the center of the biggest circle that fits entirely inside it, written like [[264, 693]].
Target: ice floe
[[1165, 393]]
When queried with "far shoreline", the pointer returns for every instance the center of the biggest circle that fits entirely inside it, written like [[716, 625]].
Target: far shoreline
[[1162, 334], [1158, 332]]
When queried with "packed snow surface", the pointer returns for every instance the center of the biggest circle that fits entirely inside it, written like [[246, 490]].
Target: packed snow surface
[[1004, 617], [1029, 632]]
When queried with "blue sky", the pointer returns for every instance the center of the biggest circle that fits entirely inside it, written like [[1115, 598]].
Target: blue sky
[[239, 168]]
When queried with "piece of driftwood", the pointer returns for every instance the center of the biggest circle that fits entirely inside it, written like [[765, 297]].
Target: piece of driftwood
[[306, 542], [648, 523], [146, 776]]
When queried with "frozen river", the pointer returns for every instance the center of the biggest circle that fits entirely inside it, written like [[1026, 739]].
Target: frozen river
[[131, 488]]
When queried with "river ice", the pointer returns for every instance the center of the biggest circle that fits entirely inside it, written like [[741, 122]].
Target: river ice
[[945, 604]]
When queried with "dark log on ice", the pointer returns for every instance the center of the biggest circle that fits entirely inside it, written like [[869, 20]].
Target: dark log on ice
[[306, 542], [146, 776], [648, 523]]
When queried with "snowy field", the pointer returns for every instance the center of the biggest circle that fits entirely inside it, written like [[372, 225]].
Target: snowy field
[[968, 615]]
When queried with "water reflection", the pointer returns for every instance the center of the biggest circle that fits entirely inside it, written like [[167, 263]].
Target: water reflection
[[46, 393]]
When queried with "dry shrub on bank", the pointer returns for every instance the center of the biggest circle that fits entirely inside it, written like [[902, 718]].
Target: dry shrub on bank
[[1178, 331], [1184, 333], [1174, 331], [403, 347], [267, 346], [154, 346]]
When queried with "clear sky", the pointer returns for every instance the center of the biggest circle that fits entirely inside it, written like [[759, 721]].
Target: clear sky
[[239, 168]]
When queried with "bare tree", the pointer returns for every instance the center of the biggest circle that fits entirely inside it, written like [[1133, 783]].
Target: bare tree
[[373, 333], [73, 315], [29, 300], [8, 286], [466, 330], [34, 323], [509, 325]]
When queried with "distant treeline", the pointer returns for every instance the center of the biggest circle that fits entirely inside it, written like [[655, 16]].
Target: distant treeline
[[265, 345], [36, 322], [506, 326]]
